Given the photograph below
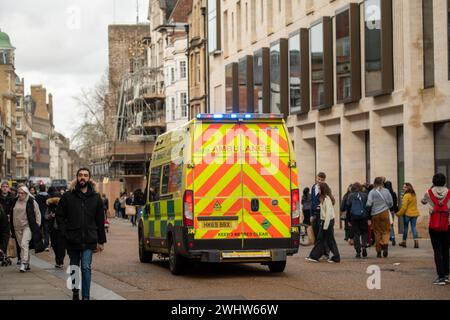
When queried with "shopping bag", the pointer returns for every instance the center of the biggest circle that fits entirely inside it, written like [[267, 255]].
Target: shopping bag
[[130, 210], [12, 251]]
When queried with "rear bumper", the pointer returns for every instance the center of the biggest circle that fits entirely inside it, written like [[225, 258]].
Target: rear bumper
[[217, 256]]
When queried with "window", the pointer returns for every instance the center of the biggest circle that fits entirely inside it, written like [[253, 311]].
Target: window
[[183, 70], [184, 104], [299, 72], [173, 107], [19, 123], [321, 64], [367, 146], [428, 43], [214, 39], [400, 161], [19, 147], [165, 180], [379, 47], [19, 172], [155, 183], [348, 61], [199, 67], [246, 84], [172, 75], [231, 88], [279, 90], [261, 81], [442, 149]]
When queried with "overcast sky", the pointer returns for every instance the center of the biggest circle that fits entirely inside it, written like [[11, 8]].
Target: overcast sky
[[63, 45]]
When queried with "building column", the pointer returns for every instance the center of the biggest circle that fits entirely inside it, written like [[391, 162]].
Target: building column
[[383, 150], [353, 149], [305, 150]]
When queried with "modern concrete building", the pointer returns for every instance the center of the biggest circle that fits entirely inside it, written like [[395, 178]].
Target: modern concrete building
[[364, 85]]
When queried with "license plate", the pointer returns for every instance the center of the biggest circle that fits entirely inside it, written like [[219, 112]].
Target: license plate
[[253, 254], [218, 225]]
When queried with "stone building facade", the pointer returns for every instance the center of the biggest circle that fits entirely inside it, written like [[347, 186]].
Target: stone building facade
[[364, 85]]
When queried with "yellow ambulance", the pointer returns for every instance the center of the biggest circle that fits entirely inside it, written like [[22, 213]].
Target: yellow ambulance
[[223, 188]]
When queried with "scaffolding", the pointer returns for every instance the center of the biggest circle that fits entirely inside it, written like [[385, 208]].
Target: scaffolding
[[141, 113]]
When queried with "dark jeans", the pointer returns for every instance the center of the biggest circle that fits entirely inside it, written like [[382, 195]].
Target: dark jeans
[[58, 244], [45, 229], [85, 257], [307, 217], [316, 224], [348, 230], [133, 219], [360, 229], [326, 243], [440, 242]]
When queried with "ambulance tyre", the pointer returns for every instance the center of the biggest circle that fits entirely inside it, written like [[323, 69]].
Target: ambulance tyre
[[144, 256], [277, 266], [176, 262]]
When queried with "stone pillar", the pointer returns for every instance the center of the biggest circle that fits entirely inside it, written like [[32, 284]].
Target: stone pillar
[[305, 150], [353, 149]]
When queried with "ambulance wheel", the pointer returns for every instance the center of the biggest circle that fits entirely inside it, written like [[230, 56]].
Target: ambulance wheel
[[144, 256], [277, 266], [176, 261]]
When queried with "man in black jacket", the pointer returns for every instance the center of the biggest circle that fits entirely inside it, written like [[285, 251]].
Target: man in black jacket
[[81, 221], [6, 200], [4, 231]]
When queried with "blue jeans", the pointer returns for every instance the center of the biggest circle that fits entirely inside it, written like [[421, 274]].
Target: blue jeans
[[407, 221], [85, 256], [392, 236]]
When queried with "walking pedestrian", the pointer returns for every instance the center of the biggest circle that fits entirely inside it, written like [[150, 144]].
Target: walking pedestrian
[[438, 200], [6, 199], [105, 205], [56, 236], [379, 202], [409, 213], [4, 233], [393, 210], [80, 217], [117, 207], [315, 203], [347, 228], [41, 198], [326, 241], [358, 219], [25, 220], [306, 206], [123, 205], [33, 191]]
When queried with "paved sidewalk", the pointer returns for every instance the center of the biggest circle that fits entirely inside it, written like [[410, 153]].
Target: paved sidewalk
[[36, 284], [43, 282]]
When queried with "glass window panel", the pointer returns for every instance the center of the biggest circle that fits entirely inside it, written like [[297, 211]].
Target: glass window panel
[[258, 81], [428, 43], [317, 66], [275, 79], [442, 148], [372, 25], [294, 74], [343, 56], [243, 85], [229, 88]]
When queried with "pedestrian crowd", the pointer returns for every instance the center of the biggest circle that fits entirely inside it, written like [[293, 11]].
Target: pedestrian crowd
[[130, 207], [69, 221], [369, 212]]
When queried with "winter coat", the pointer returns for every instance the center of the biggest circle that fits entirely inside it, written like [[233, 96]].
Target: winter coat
[[80, 218], [6, 201], [306, 202], [4, 230], [409, 206], [36, 242], [41, 200], [327, 212], [315, 201]]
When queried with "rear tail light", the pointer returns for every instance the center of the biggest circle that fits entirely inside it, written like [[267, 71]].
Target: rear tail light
[[188, 208], [295, 207]]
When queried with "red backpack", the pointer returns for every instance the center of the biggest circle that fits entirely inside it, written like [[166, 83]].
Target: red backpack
[[440, 216]]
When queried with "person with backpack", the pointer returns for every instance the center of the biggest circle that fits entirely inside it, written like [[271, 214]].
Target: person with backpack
[[379, 203], [306, 206], [410, 213], [438, 200], [358, 220], [348, 230]]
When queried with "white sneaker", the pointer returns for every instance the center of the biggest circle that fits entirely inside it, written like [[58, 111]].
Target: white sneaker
[[23, 268], [311, 260], [47, 249]]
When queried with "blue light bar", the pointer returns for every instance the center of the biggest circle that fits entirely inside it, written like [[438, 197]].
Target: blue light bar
[[239, 116]]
